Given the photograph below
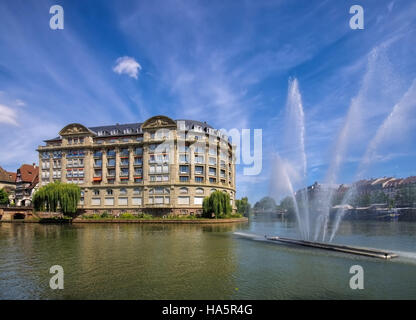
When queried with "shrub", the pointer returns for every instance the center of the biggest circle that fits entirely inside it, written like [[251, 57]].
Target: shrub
[[127, 216], [105, 214]]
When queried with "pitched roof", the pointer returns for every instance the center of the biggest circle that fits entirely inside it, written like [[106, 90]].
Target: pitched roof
[[409, 180], [28, 173], [6, 176]]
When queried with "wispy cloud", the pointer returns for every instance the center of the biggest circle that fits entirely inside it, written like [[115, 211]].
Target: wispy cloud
[[8, 115], [127, 65]]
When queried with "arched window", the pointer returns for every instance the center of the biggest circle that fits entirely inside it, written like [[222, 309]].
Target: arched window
[[109, 192], [212, 190], [123, 191], [199, 191], [183, 190]]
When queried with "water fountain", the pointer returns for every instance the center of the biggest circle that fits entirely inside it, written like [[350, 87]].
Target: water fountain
[[290, 165]]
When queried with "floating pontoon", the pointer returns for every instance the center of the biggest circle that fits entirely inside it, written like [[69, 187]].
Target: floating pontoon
[[375, 253]]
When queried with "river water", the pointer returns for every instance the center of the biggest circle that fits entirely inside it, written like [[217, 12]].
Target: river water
[[135, 261]]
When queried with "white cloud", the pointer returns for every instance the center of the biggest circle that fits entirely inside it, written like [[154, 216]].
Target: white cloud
[[127, 65], [8, 115]]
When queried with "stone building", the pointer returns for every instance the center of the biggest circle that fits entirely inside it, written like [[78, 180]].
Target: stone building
[[160, 166]]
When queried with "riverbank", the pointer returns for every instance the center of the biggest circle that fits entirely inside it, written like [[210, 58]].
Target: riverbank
[[167, 221], [115, 220]]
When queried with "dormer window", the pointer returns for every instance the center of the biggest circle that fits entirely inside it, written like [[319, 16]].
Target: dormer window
[[114, 132], [127, 131], [101, 133]]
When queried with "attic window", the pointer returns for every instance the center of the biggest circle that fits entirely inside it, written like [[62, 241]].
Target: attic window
[[114, 132], [128, 130]]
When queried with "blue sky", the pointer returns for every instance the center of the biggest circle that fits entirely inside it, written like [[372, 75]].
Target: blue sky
[[224, 62]]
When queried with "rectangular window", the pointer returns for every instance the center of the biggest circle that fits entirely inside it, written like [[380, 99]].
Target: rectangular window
[[158, 200], [183, 179], [184, 158], [122, 201], [183, 200], [138, 161], [198, 200], [184, 169], [109, 201], [212, 171], [199, 179], [138, 151], [136, 201], [199, 170], [95, 201], [212, 180], [199, 149], [199, 159]]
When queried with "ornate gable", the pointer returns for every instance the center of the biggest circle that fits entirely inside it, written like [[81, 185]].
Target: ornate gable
[[158, 122], [74, 129]]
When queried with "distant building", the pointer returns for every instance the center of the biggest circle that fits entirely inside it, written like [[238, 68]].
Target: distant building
[[390, 187], [8, 182], [27, 180]]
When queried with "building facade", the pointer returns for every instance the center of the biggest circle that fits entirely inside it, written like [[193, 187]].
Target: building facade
[[27, 182], [160, 166], [8, 183]]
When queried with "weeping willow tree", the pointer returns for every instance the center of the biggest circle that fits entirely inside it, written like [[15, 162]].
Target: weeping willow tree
[[218, 203], [57, 197]]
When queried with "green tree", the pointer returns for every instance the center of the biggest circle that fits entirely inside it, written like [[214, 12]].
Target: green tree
[[243, 206], [265, 204], [217, 204], [57, 196], [379, 197], [4, 197]]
